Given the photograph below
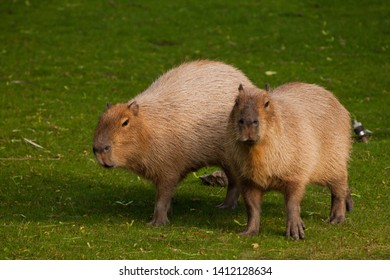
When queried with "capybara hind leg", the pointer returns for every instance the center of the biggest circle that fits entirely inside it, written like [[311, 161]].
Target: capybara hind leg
[[337, 212], [252, 198], [295, 227], [233, 192], [341, 201], [162, 204]]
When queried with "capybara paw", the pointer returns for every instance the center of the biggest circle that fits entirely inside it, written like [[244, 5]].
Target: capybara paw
[[248, 232], [225, 205], [336, 219], [295, 229], [158, 222], [337, 215]]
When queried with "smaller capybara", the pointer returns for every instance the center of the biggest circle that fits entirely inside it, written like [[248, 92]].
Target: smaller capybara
[[175, 126], [285, 139]]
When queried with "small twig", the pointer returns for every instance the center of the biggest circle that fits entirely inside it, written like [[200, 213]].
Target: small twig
[[241, 224], [124, 203], [55, 225], [15, 159], [32, 143], [27, 158]]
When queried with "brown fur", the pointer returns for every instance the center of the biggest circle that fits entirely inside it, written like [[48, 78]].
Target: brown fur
[[175, 126], [285, 139]]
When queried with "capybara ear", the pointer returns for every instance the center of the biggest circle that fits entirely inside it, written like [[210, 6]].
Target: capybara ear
[[133, 107], [241, 88], [108, 105], [241, 92], [266, 99]]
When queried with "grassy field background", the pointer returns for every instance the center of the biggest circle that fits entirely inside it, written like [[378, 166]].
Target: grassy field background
[[61, 61]]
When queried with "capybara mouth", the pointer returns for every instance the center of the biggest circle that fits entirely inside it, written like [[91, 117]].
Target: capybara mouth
[[105, 165], [250, 142]]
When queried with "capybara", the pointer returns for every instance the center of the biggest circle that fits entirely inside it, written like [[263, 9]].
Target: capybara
[[175, 126], [285, 139]]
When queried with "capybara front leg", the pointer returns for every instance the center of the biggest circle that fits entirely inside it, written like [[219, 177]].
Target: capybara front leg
[[233, 192], [162, 205], [295, 227], [252, 197]]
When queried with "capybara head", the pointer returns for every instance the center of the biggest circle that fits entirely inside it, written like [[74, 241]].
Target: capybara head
[[118, 135], [251, 114]]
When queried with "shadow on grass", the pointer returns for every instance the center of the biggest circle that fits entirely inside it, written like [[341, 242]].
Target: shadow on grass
[[87, 198]]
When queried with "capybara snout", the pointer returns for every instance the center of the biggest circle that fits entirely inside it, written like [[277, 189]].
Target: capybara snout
[[250, 121], [102, 155], [248, 124], [249, 131], [116, 127]]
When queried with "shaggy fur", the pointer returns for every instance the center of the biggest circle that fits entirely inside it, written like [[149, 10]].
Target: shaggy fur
[[175, 126], [285, 139]]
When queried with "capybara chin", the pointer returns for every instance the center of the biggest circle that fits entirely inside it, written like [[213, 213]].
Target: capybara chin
[[175, 126], [285, 139]]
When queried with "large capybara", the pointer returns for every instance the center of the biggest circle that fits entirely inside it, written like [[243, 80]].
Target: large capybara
[[175, 126], [285, 139]]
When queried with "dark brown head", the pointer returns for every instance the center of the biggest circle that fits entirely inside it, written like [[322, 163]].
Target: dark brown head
[[251, 114], [117, 135]]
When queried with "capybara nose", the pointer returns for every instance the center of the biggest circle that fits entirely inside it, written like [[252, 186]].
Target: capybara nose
[[249, 122], [106, 149], [252, 123]]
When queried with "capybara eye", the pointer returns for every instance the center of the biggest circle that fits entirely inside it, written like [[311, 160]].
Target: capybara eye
[[241, 121], [125, 123], [266, 104]]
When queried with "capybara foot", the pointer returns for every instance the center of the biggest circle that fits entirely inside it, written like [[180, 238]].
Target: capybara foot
[[225, 205], [230, 201], [337, 213], [295, 229], [158, 222], [249, 232], [336, 219]]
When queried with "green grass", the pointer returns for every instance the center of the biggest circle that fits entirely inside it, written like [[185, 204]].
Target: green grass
[[61, 61]]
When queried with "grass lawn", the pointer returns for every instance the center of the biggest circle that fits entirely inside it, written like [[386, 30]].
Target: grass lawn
[[61, 61]]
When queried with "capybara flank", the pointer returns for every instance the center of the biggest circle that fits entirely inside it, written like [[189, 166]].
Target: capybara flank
[[285, 139], [175, 126]]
